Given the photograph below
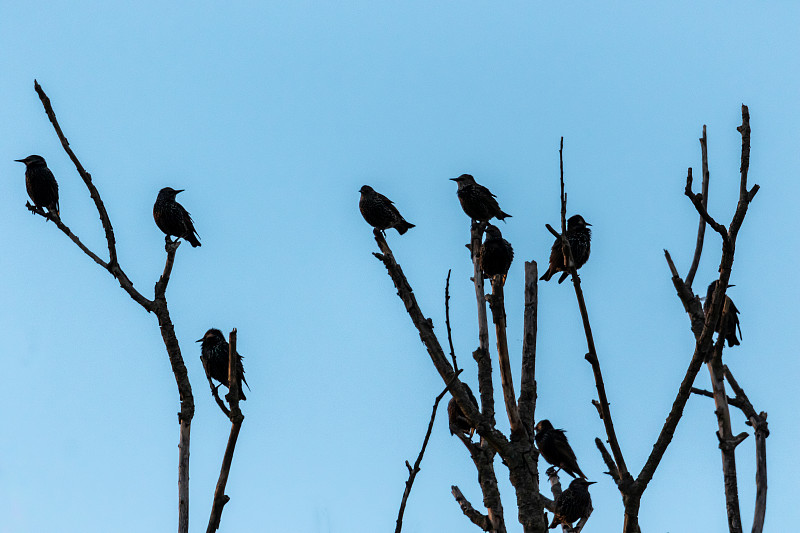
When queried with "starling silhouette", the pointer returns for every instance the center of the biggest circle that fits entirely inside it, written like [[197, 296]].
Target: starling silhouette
[[458, 421], [573, 504], [214, 354], [380, 212], [172, 218], [727, 323], [41, 184], [555, 449], [579, 237], [477, 201], [496, 254]]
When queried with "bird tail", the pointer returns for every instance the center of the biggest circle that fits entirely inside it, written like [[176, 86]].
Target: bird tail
[[554, 523], [193, 240], [502, 216], [547, 275], [563, 277], [403, 226]]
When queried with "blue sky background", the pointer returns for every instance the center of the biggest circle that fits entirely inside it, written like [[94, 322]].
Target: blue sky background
[[272, 116]]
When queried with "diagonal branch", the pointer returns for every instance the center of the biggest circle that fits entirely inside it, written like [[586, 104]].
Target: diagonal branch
[[477, 518], [412, 472], [424, 327], [87, 178]]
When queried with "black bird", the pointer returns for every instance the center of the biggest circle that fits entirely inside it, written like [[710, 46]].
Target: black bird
[[727, 323], [555, 449], [41, 184], [573, 504], [214, 354], [579, 237], [172, 218], [459, 422], [496, 253], [477, 201], [380, 212]]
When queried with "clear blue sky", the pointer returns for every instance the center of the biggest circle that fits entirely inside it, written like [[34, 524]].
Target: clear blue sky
[[272, 116]]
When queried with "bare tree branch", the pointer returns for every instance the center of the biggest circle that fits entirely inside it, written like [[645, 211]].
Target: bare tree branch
[[412, 472], [759, 423], [481, 355], [497, 305], [158, 306], [708, 394], [701, 230], [447, 321], [236, 416], [477, 518], [527, 389]]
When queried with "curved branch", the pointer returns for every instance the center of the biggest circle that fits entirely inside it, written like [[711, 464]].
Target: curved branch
[[87, 178], [701, 230]]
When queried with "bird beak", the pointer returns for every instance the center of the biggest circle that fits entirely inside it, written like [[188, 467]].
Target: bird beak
[[591, 482], [589, 225], [179, 190], [20, 160], [729, 286], [453, 179], [199, 340]]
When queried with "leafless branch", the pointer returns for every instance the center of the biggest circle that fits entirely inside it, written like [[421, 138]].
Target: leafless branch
[[412, 472], [527, 389], [236, 416], [735, 402], [481, 355], [760, 428], [608, 460], [158, 306], [447, 321], [701, 230], [477, 518], [424, 327], [497, 305], [699, 204]]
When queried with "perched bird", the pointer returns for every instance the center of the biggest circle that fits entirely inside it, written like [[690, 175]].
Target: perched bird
[[496, 253], [727, 323], [459, 422], [555, 449], [172, 218], [573, 504], [41, 184], [579, 237], [477, 201], [214, 354], [380, 212]]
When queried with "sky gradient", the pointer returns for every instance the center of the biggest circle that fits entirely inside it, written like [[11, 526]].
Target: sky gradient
[[272, 116]]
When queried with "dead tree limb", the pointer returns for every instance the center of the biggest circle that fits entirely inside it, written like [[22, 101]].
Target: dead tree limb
[[759, 423], [497, 305], [701, 230], [158, 306], [477, 518], [236, 416], [447, 321], [527, 389], [412, 472]]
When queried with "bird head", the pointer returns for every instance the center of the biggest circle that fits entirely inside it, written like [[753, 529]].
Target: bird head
[[580, 482], [32, 160], [543, 425], [576, 222], [213, 336], [493, 232], [169, 192], [464, 179], [366, 189]]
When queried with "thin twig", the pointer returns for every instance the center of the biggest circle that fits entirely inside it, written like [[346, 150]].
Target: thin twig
[[447, 321], [412, 472], [708, 394]]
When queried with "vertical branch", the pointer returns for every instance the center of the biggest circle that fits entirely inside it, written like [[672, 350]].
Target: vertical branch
[[447, 321], [759, 423], [701, 230], [497, 305], [527, 389], [481, 355], [220, 498]]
